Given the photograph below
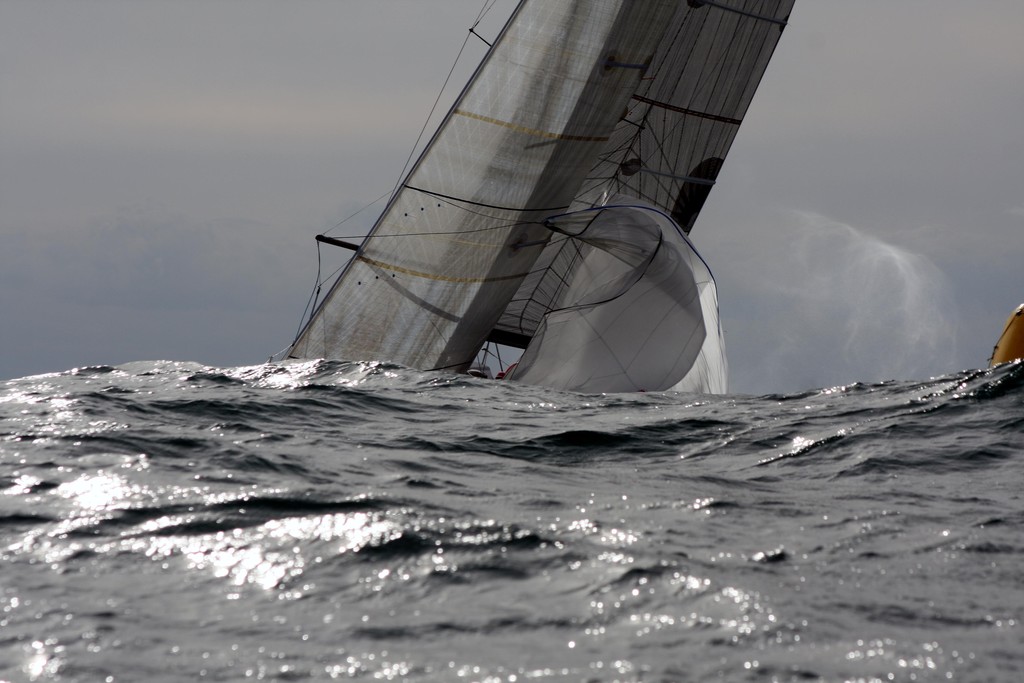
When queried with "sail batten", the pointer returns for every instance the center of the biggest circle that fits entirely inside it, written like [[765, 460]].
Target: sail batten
[[688, 112]]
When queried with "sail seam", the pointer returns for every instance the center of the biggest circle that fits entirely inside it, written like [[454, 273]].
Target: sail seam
[[531, 131], [439, 278]]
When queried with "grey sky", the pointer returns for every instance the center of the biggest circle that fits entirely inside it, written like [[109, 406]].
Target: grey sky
[[164, 166]]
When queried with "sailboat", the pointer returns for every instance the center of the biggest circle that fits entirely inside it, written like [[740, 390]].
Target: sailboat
[[552, 208]]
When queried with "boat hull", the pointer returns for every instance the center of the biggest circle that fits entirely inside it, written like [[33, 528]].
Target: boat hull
[[1011, 342]]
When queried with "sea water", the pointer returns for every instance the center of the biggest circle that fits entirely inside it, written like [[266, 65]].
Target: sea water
[[326, 520]]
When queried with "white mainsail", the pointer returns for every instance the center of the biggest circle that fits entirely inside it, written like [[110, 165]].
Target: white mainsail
[[576, 100]]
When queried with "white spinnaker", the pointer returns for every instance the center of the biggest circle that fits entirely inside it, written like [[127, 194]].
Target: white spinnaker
[[634, 317], [710, 371], [428, 285]]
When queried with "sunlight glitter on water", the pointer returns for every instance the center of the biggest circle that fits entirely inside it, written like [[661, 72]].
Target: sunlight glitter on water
[[93, 497], [491, 544], [43, 660], [273, 552], [101, 491], [276, 375]]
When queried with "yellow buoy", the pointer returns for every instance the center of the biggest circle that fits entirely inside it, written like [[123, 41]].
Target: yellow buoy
[[1011, 342]]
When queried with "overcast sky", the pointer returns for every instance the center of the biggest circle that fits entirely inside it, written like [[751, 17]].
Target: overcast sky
[[164, 166]]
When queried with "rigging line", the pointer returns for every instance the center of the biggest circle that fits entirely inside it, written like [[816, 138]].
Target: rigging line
[[426, 122], [487, 7], [661, 186], [637, 276], [751, 40], [456, 232], [314, 297], [479, 17], [722, 68], [481, 214], [556, 240], [564, 278], [487, 206], [561, 276], [489, 354], [687, 112], [666, 49], [622, 148], [607, 158], [483, 12], [356, 213], [331, 275], [454, 203], [671, 161], [683, 55]]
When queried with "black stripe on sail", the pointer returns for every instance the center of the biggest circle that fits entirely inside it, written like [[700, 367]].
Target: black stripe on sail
[[718, 5]]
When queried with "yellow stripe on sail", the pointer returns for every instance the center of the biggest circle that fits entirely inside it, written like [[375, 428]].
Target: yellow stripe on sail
[[531, 131]]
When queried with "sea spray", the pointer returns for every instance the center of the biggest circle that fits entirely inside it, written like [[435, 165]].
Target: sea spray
[[825, 297], [892, 307]]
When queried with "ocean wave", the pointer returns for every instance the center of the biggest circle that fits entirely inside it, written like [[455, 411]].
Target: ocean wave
[[328, 519]]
